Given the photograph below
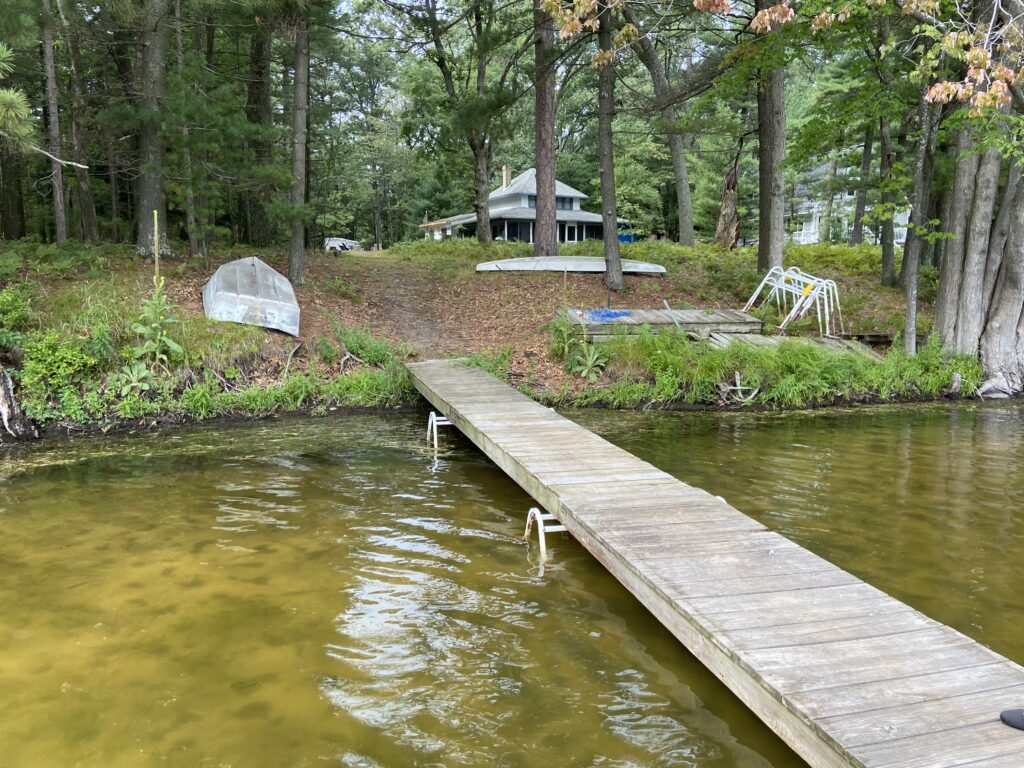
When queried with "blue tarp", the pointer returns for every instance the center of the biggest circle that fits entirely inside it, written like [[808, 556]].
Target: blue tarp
[[604, 315]]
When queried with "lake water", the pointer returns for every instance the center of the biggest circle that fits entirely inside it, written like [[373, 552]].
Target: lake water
[[330, 592]]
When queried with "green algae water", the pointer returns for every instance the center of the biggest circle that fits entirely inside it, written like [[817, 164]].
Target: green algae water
[[323, 592], [330, 592]]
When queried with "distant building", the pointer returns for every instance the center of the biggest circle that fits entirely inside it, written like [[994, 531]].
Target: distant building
[[513, 209], [807, 213]]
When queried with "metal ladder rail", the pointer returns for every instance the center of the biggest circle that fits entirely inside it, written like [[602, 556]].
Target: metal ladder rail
[[544, 522], [433, 422]]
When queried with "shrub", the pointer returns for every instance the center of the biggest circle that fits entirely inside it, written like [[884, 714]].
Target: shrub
[[15, 311]]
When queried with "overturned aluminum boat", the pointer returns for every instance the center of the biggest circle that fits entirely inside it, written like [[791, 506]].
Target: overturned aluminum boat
[[566, 264], [248, 291]]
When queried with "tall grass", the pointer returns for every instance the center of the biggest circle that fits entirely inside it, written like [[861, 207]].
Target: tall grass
[[669, 367]]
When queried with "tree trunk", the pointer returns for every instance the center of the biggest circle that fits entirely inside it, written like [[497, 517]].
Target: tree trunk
[[481, 185], [973, 306], [259, 111], [12, 206], [771, 153], [191, 227], [53, 128], [677, 142], [886, 201], [545, 232], [857, 234], [1002, 344], [605, 114], [150, 185], [86, 203], [947, 304], [929, 118], [727, 233], [921, 195], [297, 251], [1000, 232]]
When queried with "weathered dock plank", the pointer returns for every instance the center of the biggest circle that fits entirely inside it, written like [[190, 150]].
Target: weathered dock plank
[[845, 674]]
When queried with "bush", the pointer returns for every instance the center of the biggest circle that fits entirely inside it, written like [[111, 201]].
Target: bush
[[15, 315], [51, 365], [15, 311]]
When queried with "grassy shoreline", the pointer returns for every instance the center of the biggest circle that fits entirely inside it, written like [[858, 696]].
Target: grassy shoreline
[[94, 344]]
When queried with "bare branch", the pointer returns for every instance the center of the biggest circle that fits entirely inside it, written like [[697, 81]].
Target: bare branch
[[34, 148]]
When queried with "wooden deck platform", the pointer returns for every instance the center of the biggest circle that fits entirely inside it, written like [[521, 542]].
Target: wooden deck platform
[[845, 674], [603, 323]]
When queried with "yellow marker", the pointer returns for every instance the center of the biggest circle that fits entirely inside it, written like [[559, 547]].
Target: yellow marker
[[808, 289]]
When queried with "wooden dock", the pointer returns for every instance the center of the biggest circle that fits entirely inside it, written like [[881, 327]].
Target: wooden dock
[[604, 323], [845, 674]]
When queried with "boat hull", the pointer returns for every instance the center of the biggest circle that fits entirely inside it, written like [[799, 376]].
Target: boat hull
[[250, 292]]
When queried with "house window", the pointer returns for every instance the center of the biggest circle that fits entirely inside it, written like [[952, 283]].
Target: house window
[[561, 203]]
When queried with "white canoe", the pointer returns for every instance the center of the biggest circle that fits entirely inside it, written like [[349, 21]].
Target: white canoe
[[566, 264], [248, 291]]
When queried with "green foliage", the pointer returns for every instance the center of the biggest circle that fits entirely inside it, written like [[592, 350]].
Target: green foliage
[[832, 260], [133, 379], [366, 347], [15, 310], [15, 314], [670, 367], [15, 111], [369, 387], [588, 361], [565, 338], [327, 351], [569, 343], [218, 345], [497, 364], [198, 399], [52, 365], [153, 328], [72, 258]]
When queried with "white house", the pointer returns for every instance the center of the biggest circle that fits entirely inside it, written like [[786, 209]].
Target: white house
[[808, 212], [513, 209]]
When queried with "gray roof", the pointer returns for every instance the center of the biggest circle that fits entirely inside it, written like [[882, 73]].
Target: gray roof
[[528, 214], [526, 184]]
